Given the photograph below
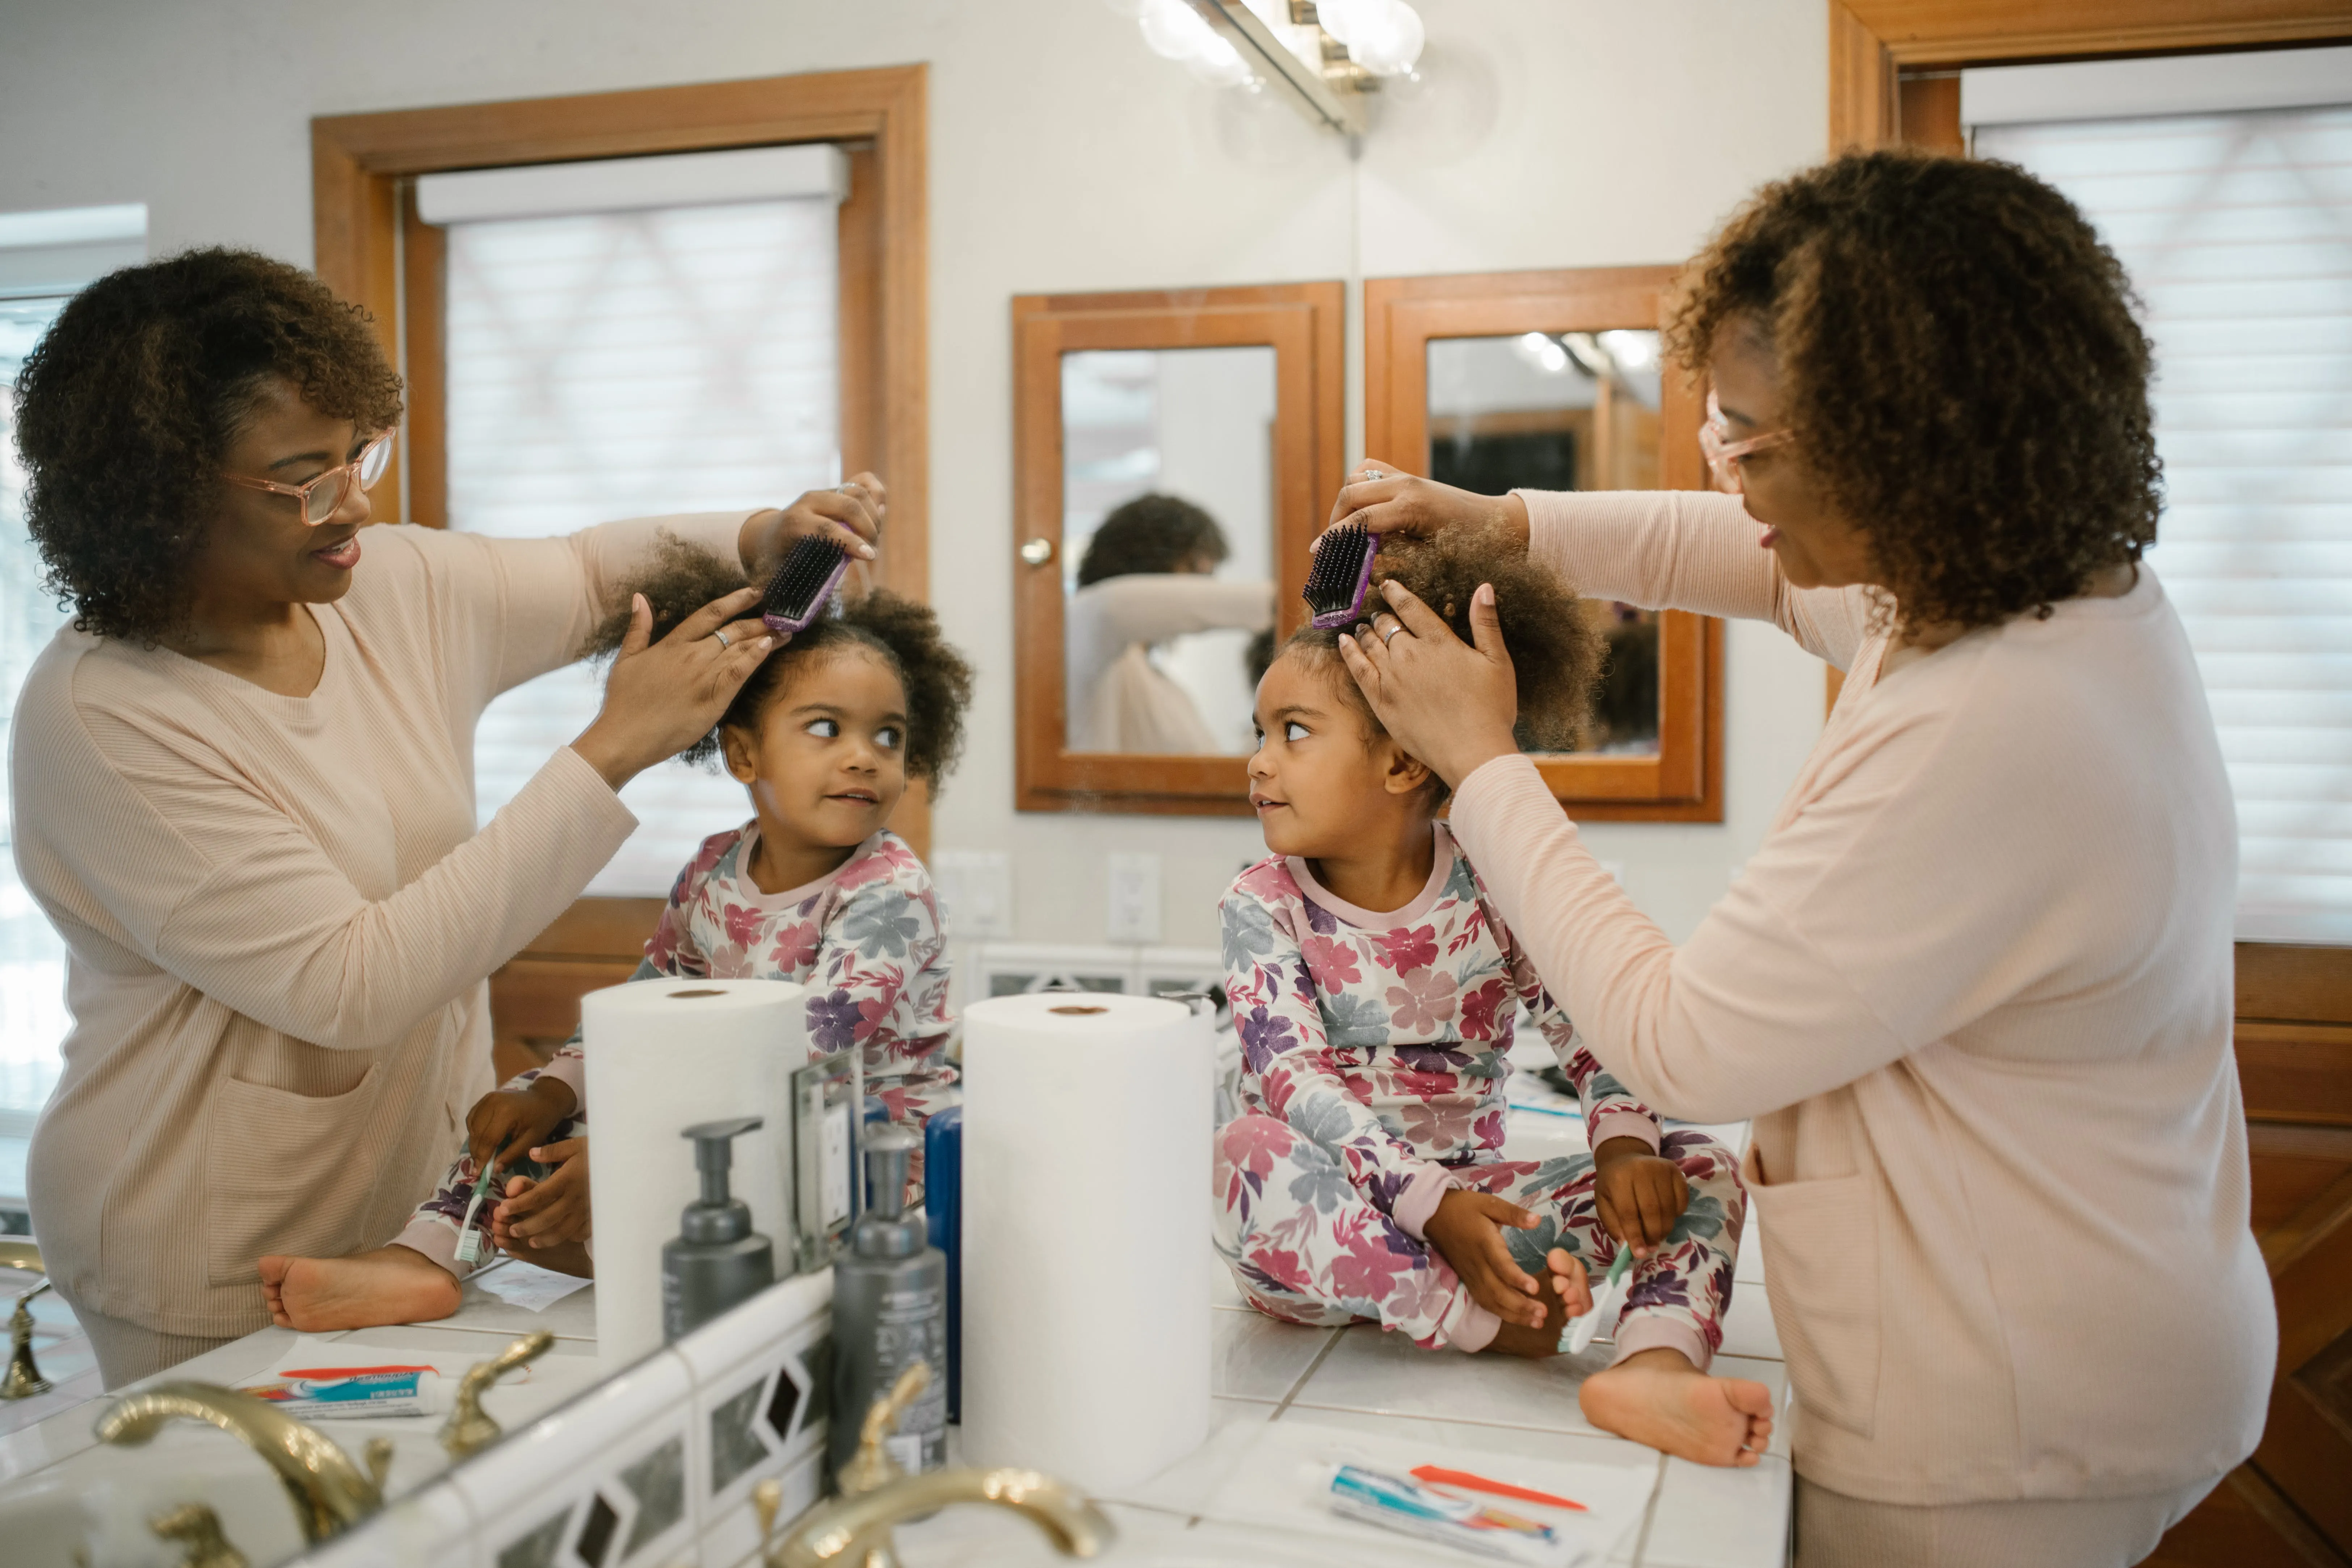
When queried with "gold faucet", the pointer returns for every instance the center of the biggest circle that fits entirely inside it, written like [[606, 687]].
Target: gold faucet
[[22, 1379], [200, 1528], [853, 1528], [329, 1492], [469, 1428]]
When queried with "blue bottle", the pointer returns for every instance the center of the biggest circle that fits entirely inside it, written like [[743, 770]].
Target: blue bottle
[[943, 1208]]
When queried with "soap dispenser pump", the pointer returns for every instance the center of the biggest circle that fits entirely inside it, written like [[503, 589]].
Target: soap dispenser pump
[[889, 1312], [718, 1259]]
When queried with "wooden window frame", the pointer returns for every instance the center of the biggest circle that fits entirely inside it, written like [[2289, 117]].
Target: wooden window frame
[[1894, 78], [371, 249], [1684, 783], [1304, 323]]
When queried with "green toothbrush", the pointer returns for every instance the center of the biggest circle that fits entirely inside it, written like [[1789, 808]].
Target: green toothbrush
[[1579, 1331], [469, 1240]]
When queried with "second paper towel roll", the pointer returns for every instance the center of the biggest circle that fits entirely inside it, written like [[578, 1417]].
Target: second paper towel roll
[[1087, 1130], [664, 1055]]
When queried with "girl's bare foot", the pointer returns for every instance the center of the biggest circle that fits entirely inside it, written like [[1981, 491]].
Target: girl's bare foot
[[1517, 1339], [1657, 1397], [389, 1284], [561, 1257]]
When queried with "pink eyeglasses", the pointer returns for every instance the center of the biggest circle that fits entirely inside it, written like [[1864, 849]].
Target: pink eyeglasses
[[1723, 454], [322, 497]]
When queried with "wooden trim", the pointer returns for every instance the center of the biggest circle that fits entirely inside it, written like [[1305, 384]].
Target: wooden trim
[[1862, 84], [424, 297], [1683, 782], [1957, 32], [1303, 323]]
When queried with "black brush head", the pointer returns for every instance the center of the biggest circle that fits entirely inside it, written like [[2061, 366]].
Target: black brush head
[[798, 592], [1340, 573]]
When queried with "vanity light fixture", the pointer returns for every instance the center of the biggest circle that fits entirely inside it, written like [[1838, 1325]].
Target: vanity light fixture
[[1328, 53]]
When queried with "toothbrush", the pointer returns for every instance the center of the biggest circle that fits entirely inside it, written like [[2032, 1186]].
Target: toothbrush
[[803, 585], [469, 1240], [1341, 575], [1580, 1331]]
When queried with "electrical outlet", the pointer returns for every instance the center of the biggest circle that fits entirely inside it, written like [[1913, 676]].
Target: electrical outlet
[[975, 892], [1134, 899]]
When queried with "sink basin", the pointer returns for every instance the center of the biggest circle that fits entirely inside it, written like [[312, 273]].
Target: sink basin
[[75, 1516]]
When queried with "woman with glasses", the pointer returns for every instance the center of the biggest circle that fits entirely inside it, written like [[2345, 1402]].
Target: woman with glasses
[[243, 784], [1975, 985]]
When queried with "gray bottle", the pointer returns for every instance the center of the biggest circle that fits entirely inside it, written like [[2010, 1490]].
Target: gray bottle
[[718, 1259], [890, 1311]]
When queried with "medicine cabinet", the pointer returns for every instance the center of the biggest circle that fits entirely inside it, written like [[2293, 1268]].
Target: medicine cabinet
[[1556, 381], [1175, 455]]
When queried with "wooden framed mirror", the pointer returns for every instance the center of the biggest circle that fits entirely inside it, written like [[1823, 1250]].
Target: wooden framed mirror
[[1175, 454], [1554, 381]]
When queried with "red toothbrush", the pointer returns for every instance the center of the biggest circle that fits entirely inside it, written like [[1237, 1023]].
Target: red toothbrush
[[1438, 1476]]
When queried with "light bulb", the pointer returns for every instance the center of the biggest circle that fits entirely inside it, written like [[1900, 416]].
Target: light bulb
[[1388, 42], [1344, 19], [1220, 64], [1174, 30], [1631, 351]]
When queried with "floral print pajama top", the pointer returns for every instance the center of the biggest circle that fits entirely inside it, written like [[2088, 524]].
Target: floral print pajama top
[[1374, 1054], [865, 940]]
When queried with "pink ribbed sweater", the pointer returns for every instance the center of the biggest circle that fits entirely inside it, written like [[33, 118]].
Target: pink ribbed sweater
[[1975, 988], [279, 917]]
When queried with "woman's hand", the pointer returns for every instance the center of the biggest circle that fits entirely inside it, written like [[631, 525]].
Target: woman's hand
[[662, 697], [1639, 1195], [1466, 1229], [549, 1212], [1397, 502], [512, 1120], [850, 517], [1445, 701]]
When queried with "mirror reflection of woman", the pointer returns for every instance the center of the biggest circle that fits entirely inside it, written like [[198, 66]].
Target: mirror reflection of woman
[[244, 789], [1148, 576]]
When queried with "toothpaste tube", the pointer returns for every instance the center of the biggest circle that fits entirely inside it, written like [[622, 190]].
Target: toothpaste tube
[[336, 1392], [1396, 1503]]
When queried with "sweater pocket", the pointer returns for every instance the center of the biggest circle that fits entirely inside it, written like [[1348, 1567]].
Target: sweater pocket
[[285, 1172], [1822, 1253]]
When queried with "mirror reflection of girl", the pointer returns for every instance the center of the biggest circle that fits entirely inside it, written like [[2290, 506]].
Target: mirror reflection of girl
[[1373, 986], [1148, 575], [814, 889]]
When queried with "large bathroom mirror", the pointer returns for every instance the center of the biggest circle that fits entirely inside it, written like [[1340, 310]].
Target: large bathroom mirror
[[1554, 381], [1177, 453]]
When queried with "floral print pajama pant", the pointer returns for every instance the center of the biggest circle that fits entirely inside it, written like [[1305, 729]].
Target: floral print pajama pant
[[1307, 1245]]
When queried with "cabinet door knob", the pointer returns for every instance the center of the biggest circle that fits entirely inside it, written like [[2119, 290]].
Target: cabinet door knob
[[1038, 550]]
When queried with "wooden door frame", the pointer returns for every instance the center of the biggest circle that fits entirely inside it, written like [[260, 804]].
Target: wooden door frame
[[1304, 324], [370, 249], [1684, 783]]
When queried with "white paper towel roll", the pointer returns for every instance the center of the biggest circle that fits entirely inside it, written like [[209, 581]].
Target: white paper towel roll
[[1087, 1125], [664, 1055]]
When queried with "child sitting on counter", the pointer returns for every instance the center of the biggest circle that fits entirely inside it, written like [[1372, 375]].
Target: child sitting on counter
[[814, 889], [1373, 986]]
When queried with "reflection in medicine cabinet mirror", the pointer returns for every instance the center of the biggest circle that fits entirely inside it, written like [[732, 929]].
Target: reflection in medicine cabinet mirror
[[1175, 453], [1168, 567], [1561, 411]]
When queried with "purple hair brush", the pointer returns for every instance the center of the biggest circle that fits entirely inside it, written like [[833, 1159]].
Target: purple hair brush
[[1341, 575], [803, 585]]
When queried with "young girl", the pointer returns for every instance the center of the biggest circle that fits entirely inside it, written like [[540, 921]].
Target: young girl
[[1373, 988], [814, 889]]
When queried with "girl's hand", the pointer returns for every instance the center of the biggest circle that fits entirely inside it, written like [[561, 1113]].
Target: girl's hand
[[514, 1119], [551, 1212], [1466, 1229], [850, 517], [1639, 1195], [662, 697], [1445, 701], [1399, 502]]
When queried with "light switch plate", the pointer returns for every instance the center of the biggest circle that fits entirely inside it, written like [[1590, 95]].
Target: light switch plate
[[1134, 899], [975, 892]]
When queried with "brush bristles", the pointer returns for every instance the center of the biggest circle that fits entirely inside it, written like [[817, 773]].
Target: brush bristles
[[1338, 574], [799, 589]]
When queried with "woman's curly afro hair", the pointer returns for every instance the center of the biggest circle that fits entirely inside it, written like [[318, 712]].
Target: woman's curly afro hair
[[127, 404], [685, 577], [1154, 532], [1962, 368], [1556, 653]]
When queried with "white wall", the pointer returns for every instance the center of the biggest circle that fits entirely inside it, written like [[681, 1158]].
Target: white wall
[[1064, 156]]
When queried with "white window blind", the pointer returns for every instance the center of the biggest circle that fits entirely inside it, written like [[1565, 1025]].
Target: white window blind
[[2237, 231], [607, 365]]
